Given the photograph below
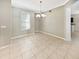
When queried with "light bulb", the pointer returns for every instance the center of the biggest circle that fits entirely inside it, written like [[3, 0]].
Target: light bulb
[[43, 15], [40, 15]]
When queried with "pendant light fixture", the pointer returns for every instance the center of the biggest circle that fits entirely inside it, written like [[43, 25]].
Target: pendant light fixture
[[40, 15]]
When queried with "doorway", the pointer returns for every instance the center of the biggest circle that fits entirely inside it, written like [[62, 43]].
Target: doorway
[[75, 22]]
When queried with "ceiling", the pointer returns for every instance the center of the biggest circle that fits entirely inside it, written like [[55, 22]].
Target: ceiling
[[75, 8], [34, 5]]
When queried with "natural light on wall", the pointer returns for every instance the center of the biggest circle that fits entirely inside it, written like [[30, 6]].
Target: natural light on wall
[[25, 19], [21, 19]]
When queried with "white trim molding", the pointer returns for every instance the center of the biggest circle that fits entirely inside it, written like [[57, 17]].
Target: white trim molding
[[52, 35], [20, 36]]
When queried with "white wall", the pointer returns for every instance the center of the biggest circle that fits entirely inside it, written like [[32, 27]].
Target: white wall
[[5, 17], [37, 24], [54, 22], [68, 24]]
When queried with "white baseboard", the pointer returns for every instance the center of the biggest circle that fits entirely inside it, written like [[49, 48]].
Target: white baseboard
[[52, 35], [20, 36]]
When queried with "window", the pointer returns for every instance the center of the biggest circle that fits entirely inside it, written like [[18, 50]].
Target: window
[[25, 21]]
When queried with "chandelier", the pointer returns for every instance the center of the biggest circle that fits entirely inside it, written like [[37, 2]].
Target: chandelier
[[40, 14]]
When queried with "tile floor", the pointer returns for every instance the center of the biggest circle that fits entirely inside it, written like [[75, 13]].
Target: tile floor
[[40, 46]]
